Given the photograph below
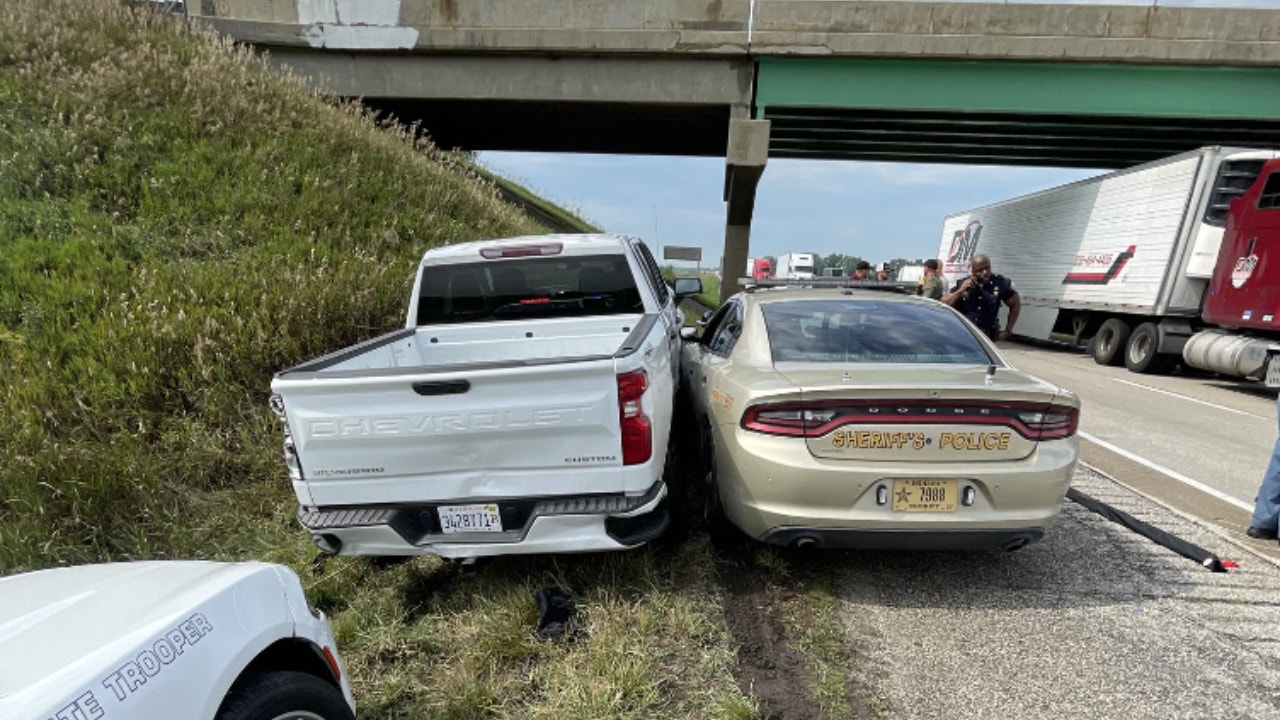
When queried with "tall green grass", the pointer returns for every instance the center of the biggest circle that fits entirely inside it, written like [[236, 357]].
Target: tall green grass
[[176, 225]]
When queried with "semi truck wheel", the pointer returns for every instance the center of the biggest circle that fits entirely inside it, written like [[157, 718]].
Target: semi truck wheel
[[284, 695], [1140, 355], [1110, 342]]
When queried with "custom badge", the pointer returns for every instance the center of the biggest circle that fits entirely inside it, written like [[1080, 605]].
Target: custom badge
[[1243, 270]]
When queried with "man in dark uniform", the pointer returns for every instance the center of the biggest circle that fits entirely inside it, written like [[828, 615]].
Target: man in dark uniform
[[978, 298]]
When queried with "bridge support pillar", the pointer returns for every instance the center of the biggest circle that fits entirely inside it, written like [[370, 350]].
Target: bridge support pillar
[[744, 164]]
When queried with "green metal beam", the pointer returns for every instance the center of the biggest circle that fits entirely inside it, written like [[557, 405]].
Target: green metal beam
[[1155, 91]]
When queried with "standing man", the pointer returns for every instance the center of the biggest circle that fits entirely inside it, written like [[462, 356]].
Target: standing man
[[882, 272], [978, 298], [931, 285], [1266, 509], [862, 271]]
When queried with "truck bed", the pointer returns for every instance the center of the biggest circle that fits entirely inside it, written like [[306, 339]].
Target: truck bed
[[488, 345], [411, 417]]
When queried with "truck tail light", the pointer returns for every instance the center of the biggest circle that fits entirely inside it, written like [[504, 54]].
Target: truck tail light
[[637, 431], [290, 451], [291, 456]]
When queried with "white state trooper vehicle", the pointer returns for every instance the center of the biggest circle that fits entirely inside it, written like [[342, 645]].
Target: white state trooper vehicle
[[165, 641]]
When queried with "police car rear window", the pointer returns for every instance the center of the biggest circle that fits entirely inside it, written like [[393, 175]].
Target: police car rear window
[[537, 287], [859, 331]]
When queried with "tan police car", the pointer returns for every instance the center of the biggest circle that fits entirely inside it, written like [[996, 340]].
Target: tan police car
[[862, 419]]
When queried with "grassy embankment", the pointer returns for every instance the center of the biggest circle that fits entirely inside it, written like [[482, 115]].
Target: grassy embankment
[[176, 226]]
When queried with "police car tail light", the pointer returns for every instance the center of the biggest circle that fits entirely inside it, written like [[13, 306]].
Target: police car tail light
[[1031, 420], [637, 431], [1058, 421], [794, 420]]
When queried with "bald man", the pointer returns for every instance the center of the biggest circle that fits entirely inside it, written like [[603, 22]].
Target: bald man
[[978, 297]]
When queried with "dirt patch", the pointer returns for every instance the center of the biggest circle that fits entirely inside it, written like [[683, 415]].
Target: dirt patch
[[769, 669]]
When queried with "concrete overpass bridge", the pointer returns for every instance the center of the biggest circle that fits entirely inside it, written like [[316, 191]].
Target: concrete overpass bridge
[[1060, 85]]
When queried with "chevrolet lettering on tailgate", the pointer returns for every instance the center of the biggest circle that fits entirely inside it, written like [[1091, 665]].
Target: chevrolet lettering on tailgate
[[451, 423]]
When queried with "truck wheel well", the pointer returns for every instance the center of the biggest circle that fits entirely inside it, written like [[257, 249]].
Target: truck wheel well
[[1083, 325], [290, 654]]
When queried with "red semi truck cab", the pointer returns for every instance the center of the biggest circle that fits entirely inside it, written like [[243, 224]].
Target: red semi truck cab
[[1244, 291], [760, 269]]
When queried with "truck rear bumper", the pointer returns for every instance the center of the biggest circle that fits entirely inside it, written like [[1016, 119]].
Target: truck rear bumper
[[552, 525]]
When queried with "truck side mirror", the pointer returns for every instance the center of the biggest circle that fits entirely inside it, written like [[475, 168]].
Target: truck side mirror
[[689, 334], [688, 287]]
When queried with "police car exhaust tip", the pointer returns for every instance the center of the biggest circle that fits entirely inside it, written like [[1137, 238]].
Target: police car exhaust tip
[[805, 543], [1016, 544], [328, 544]]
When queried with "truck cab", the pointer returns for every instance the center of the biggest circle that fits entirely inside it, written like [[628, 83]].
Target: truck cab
[[1244, 290]]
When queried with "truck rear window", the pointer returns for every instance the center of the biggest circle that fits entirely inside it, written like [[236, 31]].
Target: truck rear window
[[538, 287]]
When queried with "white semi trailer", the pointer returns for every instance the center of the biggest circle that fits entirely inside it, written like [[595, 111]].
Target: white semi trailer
[[1122, 261], [795, 266]]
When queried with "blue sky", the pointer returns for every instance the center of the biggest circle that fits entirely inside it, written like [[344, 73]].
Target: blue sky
[[879, 211]]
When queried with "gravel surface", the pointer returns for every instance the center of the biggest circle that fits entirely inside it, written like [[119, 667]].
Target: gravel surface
[[1092, 622]]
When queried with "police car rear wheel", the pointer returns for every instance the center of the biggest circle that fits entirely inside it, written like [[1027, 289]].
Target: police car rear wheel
[[284, 695]]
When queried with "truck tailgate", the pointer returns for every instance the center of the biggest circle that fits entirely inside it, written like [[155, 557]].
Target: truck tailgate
[[404, 437]]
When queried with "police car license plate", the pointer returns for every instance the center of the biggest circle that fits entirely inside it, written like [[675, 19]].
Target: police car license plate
[[469, 518], [1273, 371], [924, 495]]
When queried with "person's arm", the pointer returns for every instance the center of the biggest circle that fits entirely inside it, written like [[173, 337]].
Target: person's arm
[[1014, 302], [955, 295]]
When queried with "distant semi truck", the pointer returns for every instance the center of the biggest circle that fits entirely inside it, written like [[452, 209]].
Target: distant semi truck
[[758, 268], [795, 266], [1162, 262]]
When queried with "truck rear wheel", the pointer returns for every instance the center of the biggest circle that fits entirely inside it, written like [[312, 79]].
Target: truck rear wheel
[[1110, 342], [1141, 354]]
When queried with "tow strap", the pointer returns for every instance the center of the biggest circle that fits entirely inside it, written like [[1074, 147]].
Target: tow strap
[[1186, 549]]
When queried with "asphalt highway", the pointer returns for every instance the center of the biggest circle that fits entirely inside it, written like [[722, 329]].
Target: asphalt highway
[[1095, 621]]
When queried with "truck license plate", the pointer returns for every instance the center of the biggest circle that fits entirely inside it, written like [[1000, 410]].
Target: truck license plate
[[1273, 371], [469, 518], [924, 495]]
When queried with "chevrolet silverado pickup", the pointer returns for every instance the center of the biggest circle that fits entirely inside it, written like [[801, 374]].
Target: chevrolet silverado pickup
[[524, 407]]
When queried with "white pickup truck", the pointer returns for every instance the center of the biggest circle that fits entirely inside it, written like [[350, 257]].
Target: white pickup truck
[[525, 407], [164, 640]]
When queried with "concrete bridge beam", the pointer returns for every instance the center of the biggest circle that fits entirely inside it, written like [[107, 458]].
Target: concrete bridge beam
[[744, 164]]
